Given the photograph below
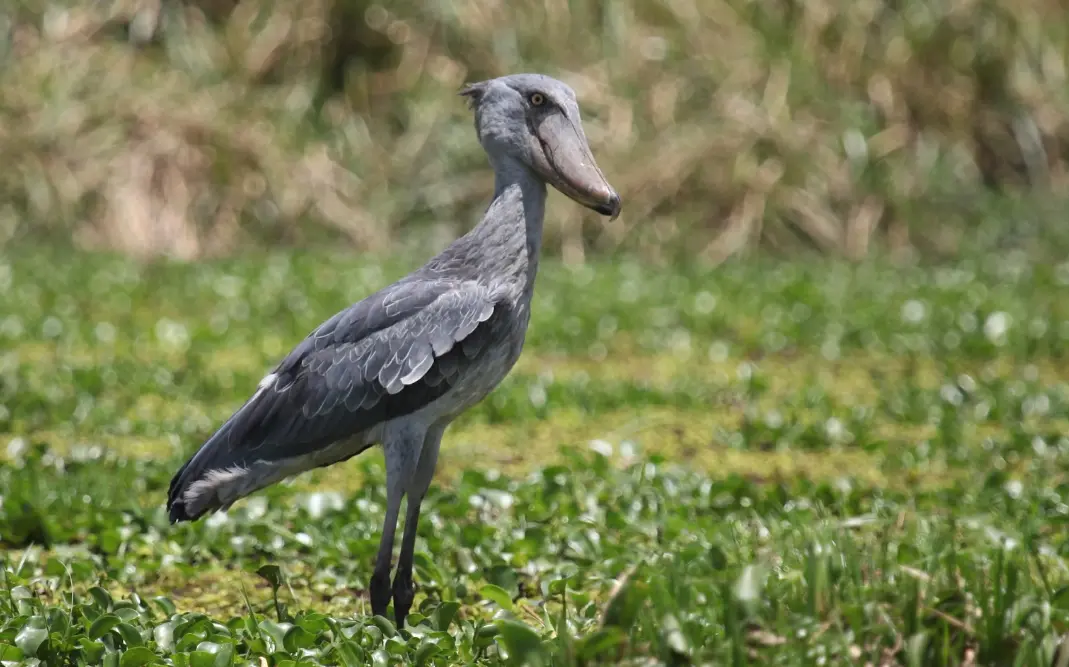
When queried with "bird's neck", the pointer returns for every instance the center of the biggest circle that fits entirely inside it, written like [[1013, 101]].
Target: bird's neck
[[509, 237]]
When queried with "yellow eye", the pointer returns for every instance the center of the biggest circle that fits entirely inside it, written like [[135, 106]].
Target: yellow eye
[[538, 99]]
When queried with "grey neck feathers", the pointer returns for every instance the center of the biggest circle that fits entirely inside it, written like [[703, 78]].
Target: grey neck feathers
[[511, 175], [507, 242]]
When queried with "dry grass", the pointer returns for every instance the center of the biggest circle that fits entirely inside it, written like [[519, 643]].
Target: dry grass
[[187, 129]]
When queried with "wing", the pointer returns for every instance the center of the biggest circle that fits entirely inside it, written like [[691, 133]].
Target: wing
[[385, 357], [345, 383]]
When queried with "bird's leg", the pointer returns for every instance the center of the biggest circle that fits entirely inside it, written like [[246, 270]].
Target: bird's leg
[[403, 590], [379, 589], [402, 446]]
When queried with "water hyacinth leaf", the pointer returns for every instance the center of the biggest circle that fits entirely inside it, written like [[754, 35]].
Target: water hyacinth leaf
[[349, 654], [425, 652], [103, 625], [523, 644], [11, 653], [272, 574], [385, 626], [556, 587], [1060, 600], [380, 658], [130, 635], [444, 614], [222, 654], [203, 659], [314, 623], [163, 635], [853, 477], [165, 605], [297, 638], [138, 657], [58, 622], [396, 646], [109, 541], [30, 638], [55, 568], [600, 644], [101, 597], [498, 595], [21, 593], [92, 650], [275, 631], [717, 557], [126, 611]]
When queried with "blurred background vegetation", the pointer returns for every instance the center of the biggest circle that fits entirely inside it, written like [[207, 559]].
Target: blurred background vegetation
[[192, 128]]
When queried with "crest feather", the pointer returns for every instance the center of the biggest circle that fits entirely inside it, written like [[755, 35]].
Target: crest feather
[[473, 92]]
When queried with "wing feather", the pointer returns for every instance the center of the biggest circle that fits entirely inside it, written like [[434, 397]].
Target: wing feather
[[419, 361], [384, 357]]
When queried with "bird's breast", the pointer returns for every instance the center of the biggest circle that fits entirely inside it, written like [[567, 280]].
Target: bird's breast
[[487, 369]]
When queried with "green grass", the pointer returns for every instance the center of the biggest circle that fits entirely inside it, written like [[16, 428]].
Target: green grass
[[763, 463]]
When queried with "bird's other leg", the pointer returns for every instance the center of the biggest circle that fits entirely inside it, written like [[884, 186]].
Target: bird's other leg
[[379, 589], [401, 447], [403, 590]]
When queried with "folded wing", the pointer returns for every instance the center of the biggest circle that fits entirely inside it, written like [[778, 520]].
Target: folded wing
[[385, 357]]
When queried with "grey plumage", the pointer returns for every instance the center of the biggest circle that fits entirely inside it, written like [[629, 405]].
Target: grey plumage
[[397, 367]]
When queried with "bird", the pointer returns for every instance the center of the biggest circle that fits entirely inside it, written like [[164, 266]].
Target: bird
[[397, 367]]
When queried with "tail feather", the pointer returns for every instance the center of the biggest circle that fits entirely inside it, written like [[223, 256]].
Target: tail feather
[[213, 455], [229, 466]]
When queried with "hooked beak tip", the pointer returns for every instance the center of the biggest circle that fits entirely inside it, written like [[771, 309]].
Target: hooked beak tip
[[610, 207]]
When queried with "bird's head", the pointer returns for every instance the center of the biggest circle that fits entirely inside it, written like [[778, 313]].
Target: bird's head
[[535, 119]]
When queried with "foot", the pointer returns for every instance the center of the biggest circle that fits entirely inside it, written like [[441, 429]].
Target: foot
[[403, 593], [379, 590]]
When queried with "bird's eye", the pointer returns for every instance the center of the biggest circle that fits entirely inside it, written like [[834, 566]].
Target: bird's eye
[[537, 99]]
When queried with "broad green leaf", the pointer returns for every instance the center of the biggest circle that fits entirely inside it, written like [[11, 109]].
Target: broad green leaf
[[498, 595], [165, 605], [31, 636], [297, 638], [425, 652], [600, 644], [385, 626], [130, 635], [444, 614], [202, 659], [10, 653], [138, 656], [222, 654], [350, 654], [523, 643], [103, 625], [163, 635], [272, 574], [276, 631]]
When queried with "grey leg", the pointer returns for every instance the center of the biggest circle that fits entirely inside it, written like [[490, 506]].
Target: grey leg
[[401, 446], [403, 590], [380, 578]]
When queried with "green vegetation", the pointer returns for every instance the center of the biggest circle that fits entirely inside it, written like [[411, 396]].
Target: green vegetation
[[763, 463], [195, 127], [775, 463]]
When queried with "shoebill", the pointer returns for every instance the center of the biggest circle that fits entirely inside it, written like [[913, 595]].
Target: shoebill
[[397, 367]]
